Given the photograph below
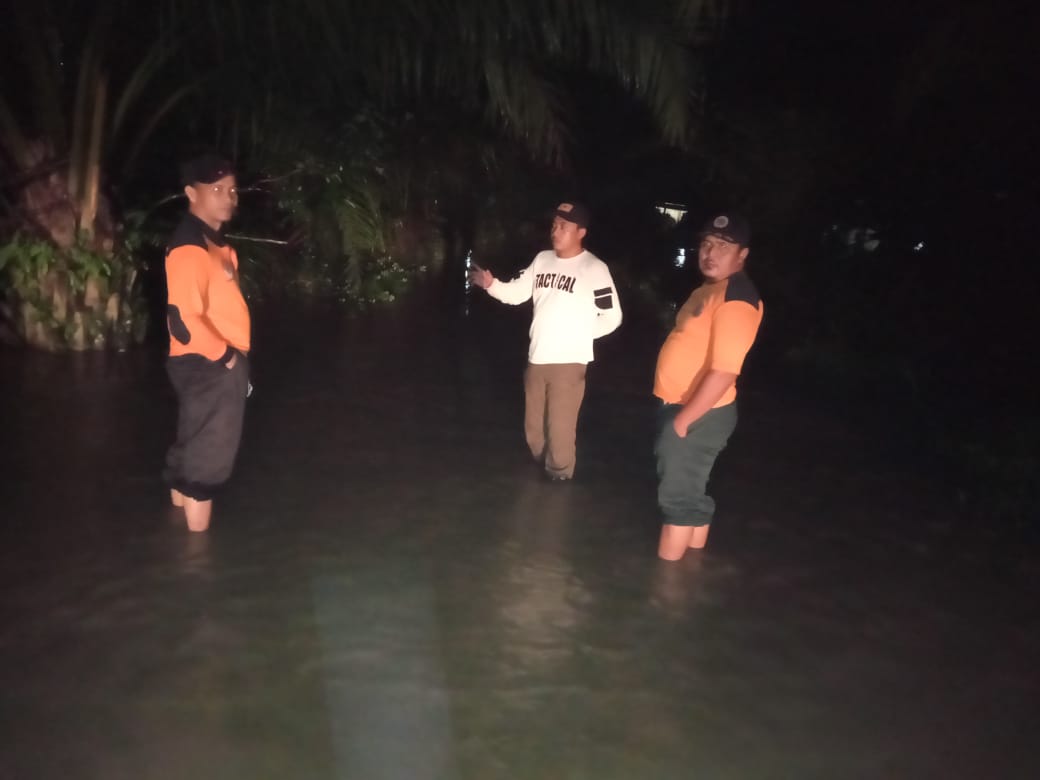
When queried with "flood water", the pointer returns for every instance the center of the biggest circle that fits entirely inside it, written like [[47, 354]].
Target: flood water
[[390, 591]]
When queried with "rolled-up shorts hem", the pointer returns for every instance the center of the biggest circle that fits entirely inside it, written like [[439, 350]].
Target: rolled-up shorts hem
[[685, 522], [195, 490]]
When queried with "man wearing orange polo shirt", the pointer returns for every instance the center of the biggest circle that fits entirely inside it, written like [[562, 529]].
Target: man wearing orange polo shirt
[[209, 329], [696, 376]]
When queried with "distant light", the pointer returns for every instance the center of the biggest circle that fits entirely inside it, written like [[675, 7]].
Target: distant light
[[680, 258], [469, 265], [674, 211], [919, 246]]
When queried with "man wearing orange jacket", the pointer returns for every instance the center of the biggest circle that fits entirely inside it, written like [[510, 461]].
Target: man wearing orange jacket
[[696, 377], [208, 321]]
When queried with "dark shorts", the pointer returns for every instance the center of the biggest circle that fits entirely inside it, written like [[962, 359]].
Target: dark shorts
[[211, 402], [684, 464]]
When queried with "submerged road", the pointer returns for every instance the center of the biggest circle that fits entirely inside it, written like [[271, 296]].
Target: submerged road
[[390, 591]]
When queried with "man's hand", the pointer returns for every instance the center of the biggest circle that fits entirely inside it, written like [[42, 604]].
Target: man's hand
[[480, 277], [710, 389], [681, 424]]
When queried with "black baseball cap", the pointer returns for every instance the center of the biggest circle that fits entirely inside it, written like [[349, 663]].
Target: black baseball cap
[[729, 227], [577, 213], [205, 169]]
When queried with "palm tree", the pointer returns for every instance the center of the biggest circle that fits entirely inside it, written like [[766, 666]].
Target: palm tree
[[509, 63], [504, 65], [462, 69], [83, 114], [71, 109]]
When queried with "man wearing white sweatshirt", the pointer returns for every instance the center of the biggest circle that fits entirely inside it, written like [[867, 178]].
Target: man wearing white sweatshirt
[[575, 302]]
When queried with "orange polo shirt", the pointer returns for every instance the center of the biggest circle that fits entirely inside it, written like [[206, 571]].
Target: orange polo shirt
[[714, 329], [206, 313]]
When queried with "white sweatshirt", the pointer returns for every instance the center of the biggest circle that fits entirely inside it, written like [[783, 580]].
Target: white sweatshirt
[[575, 302]]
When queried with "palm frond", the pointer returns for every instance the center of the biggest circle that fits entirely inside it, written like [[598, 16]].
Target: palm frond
[[152, 122], [13, 140], [41, 68], [138, 82], [84, 103], [91, 163]]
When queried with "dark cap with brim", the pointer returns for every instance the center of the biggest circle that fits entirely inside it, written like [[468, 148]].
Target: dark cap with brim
[[577, 213], [205, 169], [729, 227]]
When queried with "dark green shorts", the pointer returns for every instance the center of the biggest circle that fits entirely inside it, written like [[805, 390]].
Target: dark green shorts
[[211, 403], [684, 464]]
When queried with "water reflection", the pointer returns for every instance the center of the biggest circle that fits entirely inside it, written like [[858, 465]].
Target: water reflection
[[389, 713], [467, 283], [196, 561], [675, 590], [540, 601]]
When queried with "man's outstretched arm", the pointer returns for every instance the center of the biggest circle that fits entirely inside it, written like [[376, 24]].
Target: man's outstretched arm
[[515, 292]]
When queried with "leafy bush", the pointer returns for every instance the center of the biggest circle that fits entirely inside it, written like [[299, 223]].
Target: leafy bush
[[70, 299], [384, 280]]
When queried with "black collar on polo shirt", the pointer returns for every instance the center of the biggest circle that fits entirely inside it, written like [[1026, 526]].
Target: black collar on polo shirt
[[216, 236]]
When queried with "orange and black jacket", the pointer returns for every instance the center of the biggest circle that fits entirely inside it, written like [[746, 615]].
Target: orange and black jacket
[[205, 313]]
